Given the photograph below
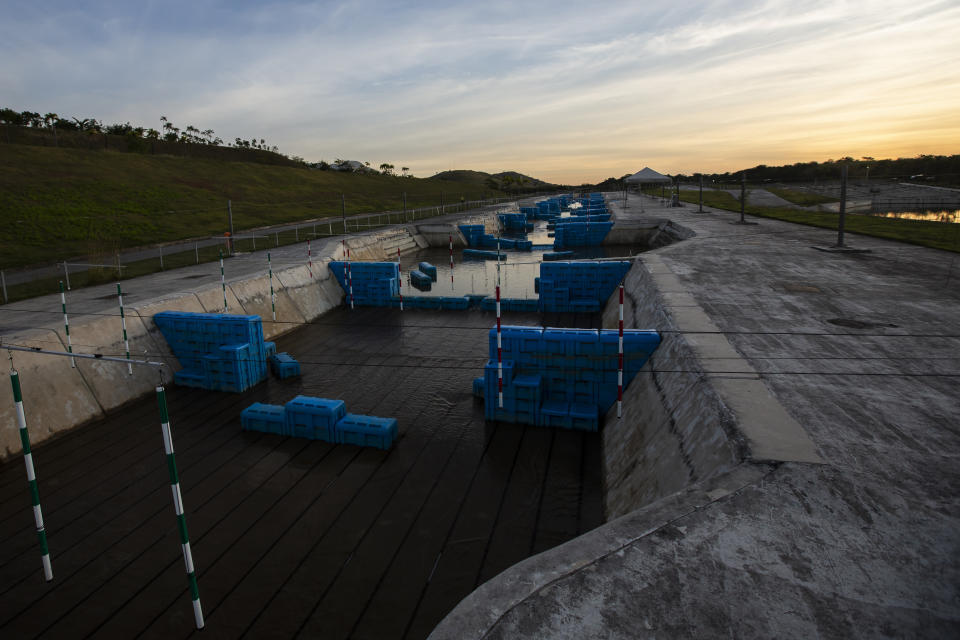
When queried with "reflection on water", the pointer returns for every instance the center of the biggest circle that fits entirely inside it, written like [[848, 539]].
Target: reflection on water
[[928, 216], [517, 272]]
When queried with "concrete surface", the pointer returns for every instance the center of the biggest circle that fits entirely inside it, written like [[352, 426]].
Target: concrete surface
[[859, 538]]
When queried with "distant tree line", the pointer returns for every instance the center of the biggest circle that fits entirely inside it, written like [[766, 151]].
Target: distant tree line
[[927, 168], [170, 132]]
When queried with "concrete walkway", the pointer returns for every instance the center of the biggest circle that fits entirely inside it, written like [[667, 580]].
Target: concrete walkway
[[851, 531]]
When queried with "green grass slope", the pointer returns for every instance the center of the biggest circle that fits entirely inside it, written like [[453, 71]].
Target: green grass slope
[[57, 203]]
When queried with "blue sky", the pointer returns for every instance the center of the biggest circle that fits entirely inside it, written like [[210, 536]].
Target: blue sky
[[565, 91]]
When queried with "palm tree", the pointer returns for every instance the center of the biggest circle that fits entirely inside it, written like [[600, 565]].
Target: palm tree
[[51, 121]]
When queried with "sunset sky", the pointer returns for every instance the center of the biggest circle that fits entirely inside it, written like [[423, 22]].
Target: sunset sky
[[564, 91]]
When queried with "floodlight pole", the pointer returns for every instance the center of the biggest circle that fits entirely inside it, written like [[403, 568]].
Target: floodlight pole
[[701, 194], [743, 195], [843, 204]]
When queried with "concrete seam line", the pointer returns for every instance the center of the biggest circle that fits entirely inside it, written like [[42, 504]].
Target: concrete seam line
[[83, 379], [283, 289], [646, 533], [159, 349]]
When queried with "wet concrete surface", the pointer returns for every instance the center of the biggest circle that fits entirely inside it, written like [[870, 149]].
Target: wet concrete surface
[[293, 537]]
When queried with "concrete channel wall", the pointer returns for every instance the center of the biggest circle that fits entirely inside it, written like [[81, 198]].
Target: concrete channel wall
[[58, 397], [674, 430]]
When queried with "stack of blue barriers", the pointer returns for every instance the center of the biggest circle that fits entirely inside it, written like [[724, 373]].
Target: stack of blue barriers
[[581, 234], [374, 283], [579, 286], [560, 377], [320, 419], [472, 233], [218, 351]]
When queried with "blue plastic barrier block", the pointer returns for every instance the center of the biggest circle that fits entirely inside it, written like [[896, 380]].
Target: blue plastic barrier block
[[313, 418], [428, 269], [555, 414], [267, 418], [191, 378], [450, 302], [420, 280], [478, 387], [269, 348], [283, 365], [366, 431], [583, 416]]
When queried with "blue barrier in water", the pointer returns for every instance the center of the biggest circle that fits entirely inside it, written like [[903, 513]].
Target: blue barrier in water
[[580, 234], [218, 351], [579, 286], [480, 254], [428, 269], [562, 378], [374, 283], [420, 280]]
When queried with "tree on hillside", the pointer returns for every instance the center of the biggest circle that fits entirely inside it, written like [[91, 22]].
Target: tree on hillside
[[405, 171], [386, 169]]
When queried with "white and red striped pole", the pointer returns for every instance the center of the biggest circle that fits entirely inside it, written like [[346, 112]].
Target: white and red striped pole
[[499, 342], [349, 272], [309, 260], [620, 360], [451, 261], [400, 279]]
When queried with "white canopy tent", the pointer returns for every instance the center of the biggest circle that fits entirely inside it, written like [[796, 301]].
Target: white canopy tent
[[647, 176]]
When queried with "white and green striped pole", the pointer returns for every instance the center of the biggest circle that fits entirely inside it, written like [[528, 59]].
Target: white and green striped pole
[[273, 298], [66, 324], [178, 507], [31, 476], [123, 325], [223, 283]]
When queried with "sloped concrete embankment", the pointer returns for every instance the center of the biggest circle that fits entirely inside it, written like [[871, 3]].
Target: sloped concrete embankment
[[57, 396], [674, 430]]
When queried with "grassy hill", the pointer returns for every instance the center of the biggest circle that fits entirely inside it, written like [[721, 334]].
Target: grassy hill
[[58, 203]]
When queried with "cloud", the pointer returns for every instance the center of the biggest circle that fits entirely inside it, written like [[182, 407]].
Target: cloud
[[564, 93]]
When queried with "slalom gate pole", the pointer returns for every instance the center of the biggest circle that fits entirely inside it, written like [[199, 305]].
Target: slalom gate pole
[[273, 298], [309, 260], [66, 324], [123, 325], [349, 272], [400, 279], [499, 341], [620, 359], [178, 507], [31, 475], [451, 261], [223, 283]]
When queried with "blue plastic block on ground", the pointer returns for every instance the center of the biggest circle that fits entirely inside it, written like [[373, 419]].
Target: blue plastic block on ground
[[269, 348], [313, 418], [267, 418], [555, 414], [283, 365], [478, 386], [191, 378], [583, 416], [366, 431]]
